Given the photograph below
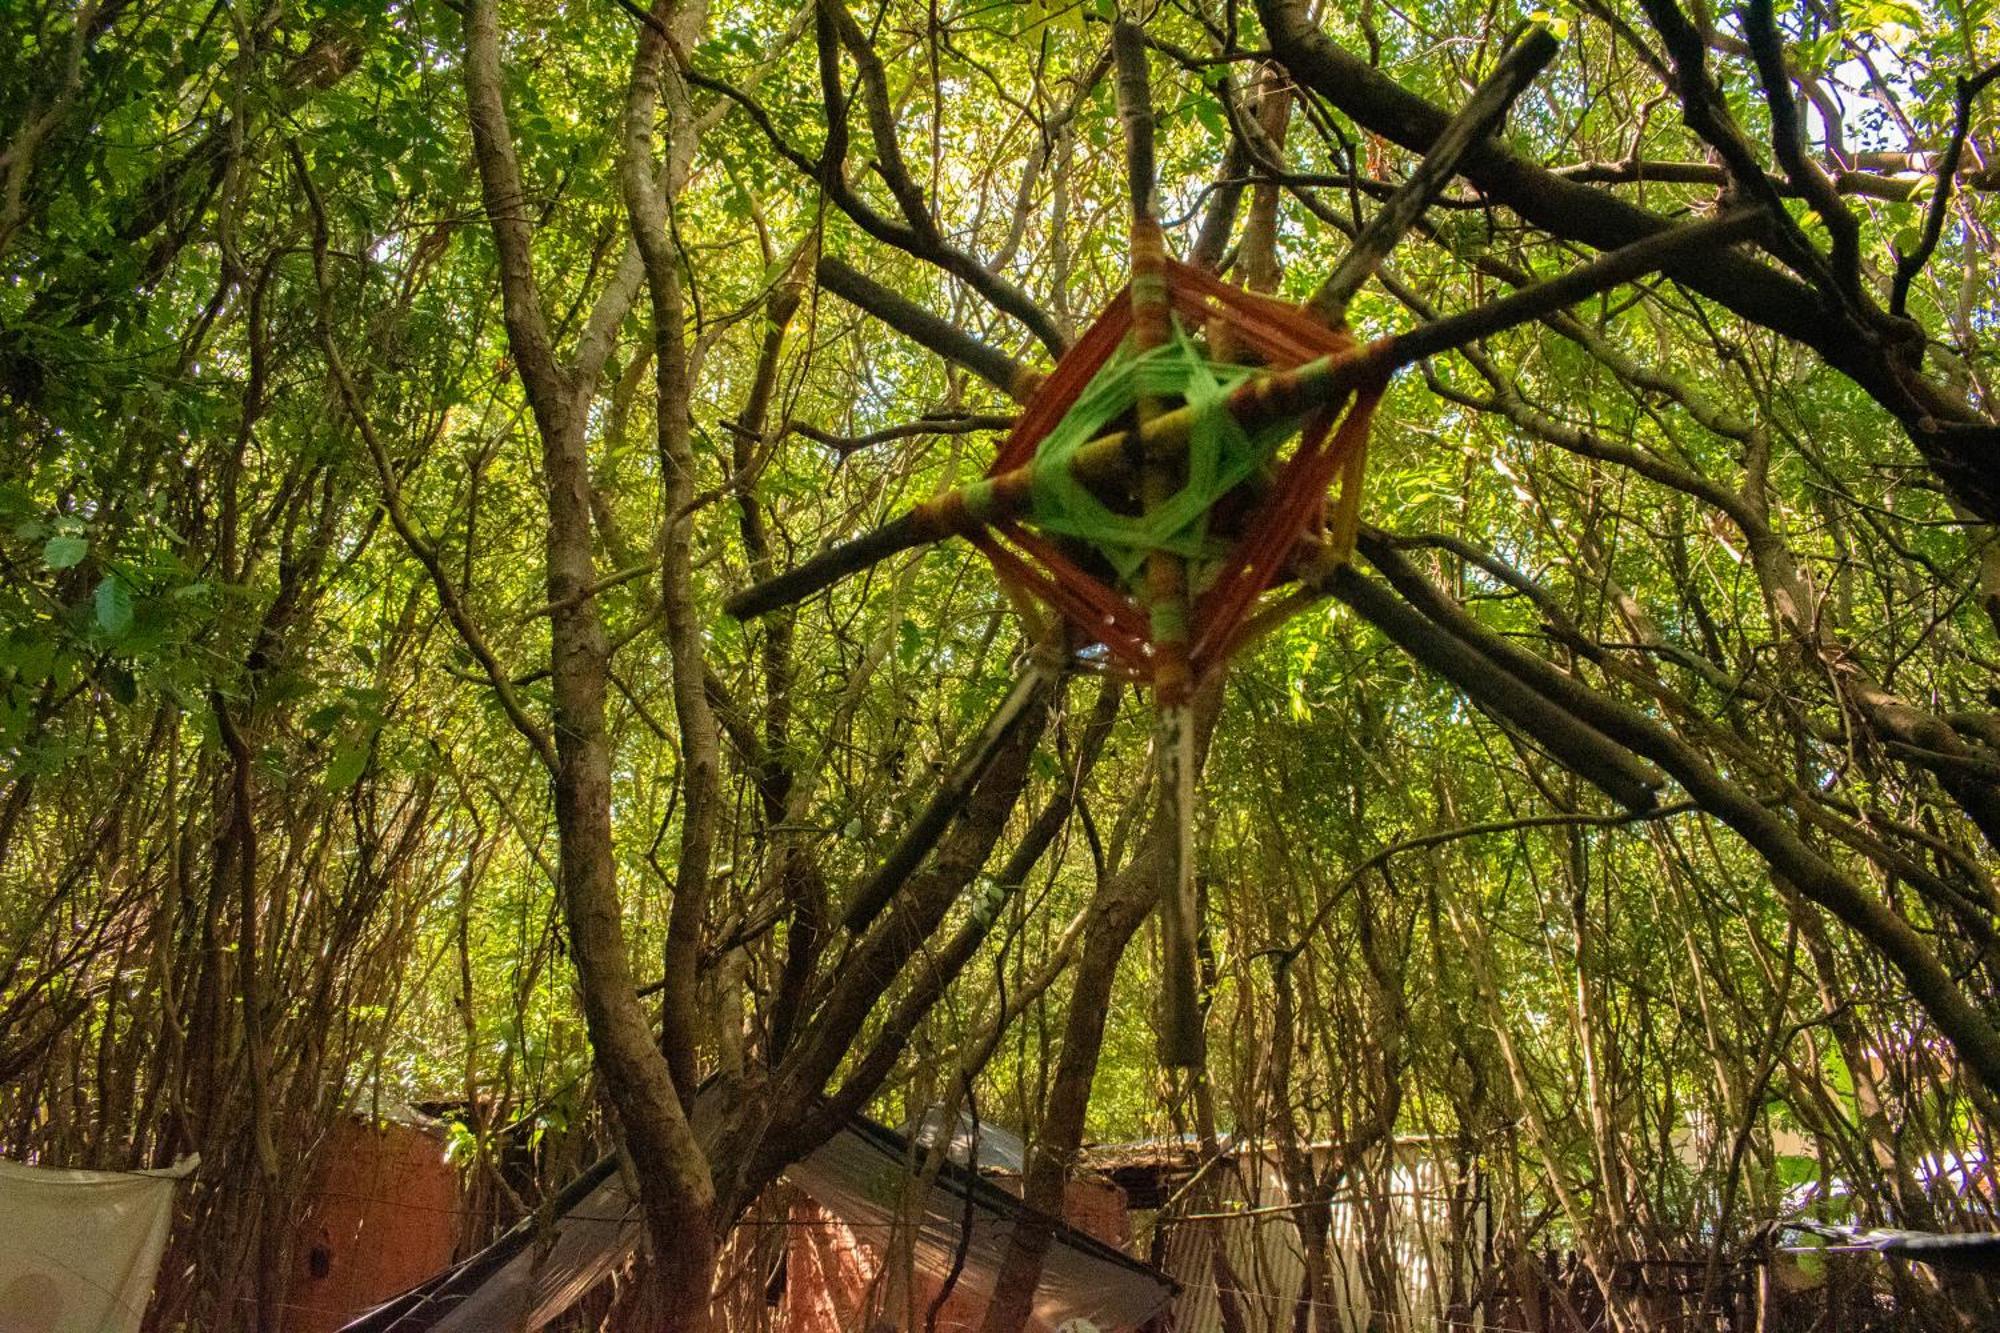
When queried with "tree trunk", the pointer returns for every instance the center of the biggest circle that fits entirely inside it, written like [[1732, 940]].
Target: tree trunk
[[675, 1190]]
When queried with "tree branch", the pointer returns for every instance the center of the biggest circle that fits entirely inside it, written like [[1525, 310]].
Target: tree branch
[[1475, 122], [1908, 266], [1013, 378]]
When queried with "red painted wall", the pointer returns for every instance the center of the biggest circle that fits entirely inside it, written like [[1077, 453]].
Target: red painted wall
[[382, 1215]]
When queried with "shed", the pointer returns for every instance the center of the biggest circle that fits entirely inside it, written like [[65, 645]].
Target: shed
[[380, 1214], [851, 1194]]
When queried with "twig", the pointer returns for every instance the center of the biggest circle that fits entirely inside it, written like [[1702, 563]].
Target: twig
[[1909, 265], [919, 325], [1617, 819], [418, 544], [851, 444], [605, 584], [1477, 119]]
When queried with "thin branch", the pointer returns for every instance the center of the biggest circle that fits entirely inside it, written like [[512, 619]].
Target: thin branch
[[1003, 372], [418, 544], [923, 426], [872, 894], [1475, 122], [1909, 265], [1616, 819], [1760, 26], [605, 584]]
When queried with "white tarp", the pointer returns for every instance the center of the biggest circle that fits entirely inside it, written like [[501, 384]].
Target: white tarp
[[79, 1249]]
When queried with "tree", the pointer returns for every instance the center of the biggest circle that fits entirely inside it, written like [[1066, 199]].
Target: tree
[[351, 627]]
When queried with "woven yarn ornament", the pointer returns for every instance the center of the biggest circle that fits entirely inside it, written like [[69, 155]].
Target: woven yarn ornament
[[1094, 387]]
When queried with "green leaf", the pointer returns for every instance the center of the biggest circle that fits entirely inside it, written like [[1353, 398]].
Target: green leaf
[[1208, 110], [323, 720], [29, 655], [1557, 24], [349, 761], [65, 552], [113, 601]]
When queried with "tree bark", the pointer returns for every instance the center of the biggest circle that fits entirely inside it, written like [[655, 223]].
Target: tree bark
[[676, 1192], [1120, 907]]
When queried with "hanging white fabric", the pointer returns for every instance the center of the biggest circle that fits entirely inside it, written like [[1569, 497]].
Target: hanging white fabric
[[79, 1249]]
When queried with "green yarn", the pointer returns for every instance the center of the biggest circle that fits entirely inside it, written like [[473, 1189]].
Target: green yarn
[[1220, 455]]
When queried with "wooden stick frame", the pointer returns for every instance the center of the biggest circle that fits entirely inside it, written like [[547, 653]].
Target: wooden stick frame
[[1115, 459]]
